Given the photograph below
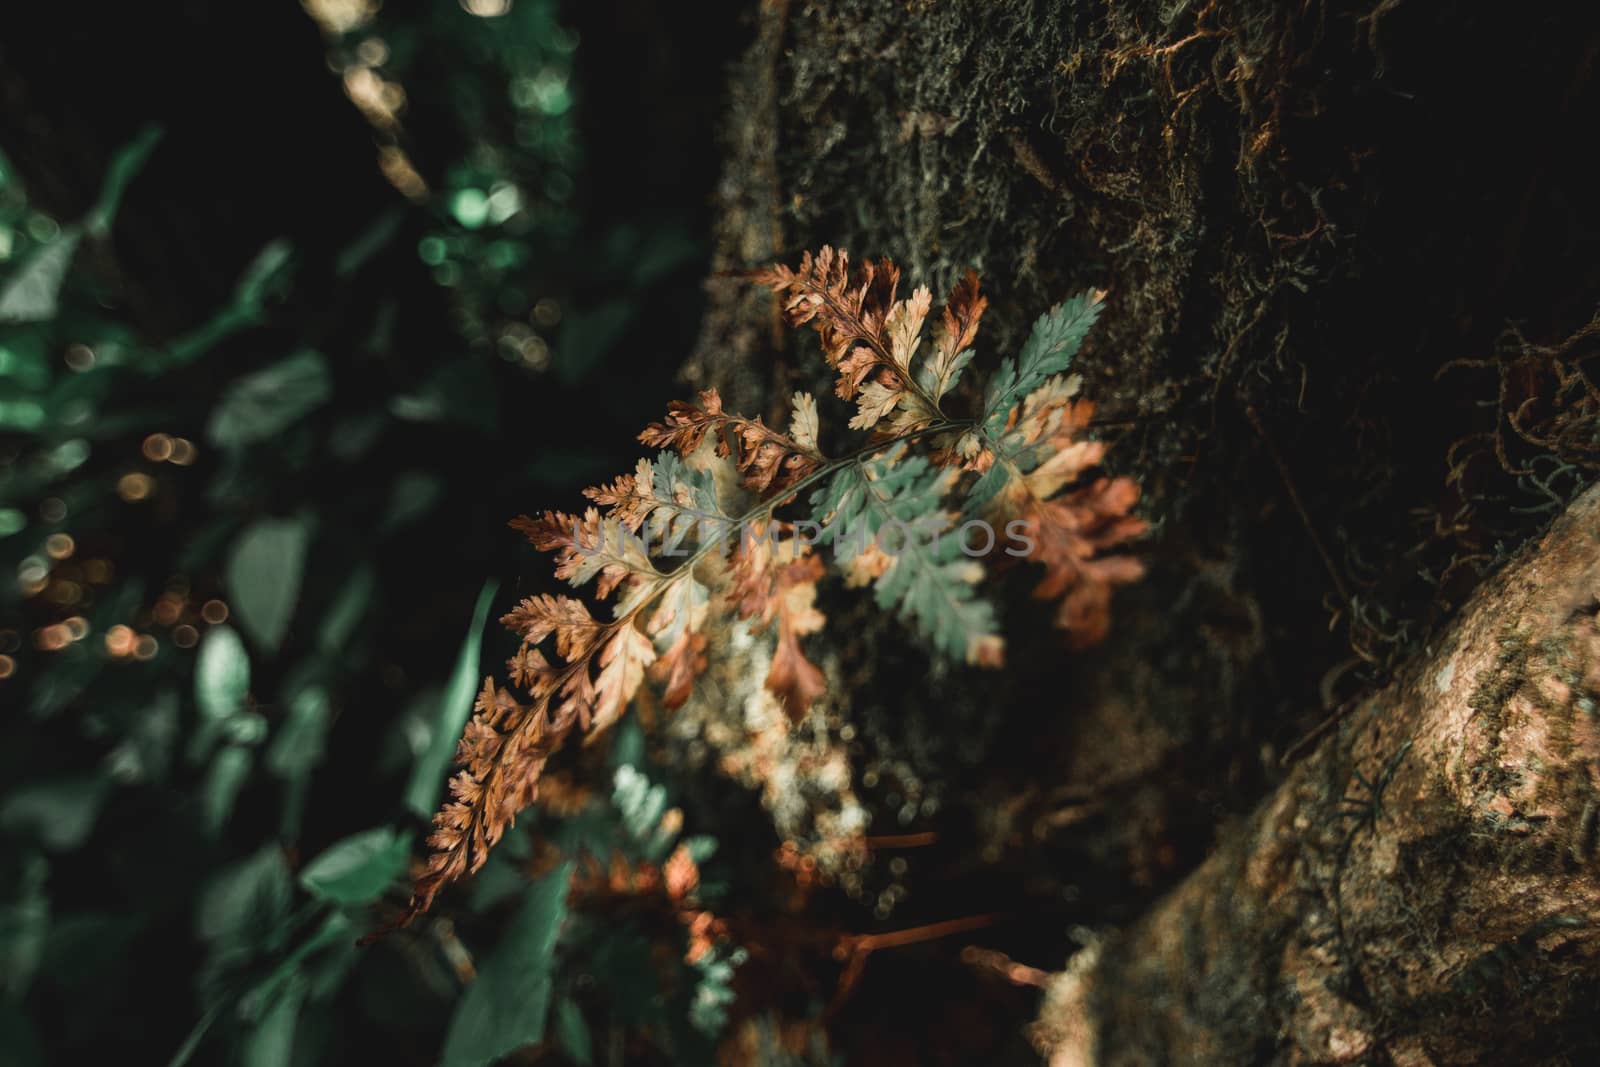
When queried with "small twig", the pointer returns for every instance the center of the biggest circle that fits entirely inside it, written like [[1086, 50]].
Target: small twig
[[1300, 747], [999, 963], [857, 947], [861, 943], [1299, 505], [887, 841]]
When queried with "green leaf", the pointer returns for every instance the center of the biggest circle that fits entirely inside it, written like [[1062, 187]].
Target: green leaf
[[928, 375], [298, 743], [24, 927], [263, 575], [458, 391], [987, 487], [32, 294], [413, 494], [346, 612], [572, 1033], [505, 1008], [427, 776], [261, 274], [247, 904], [221, 682], [148, 747], [357, 869], [1056, 338], [261, 405], [369, 243], [317, 962], [125, 166], [708, 1012], [1016, 452], [21, 416], [59, 812], [899, 502], [220, 791], [270, 1043], [641, 805]]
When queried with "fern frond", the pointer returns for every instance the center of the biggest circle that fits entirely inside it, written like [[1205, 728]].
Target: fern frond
[[776, 581], [537, 617], [803, 422], [867, 333], [684, 501], [767, 460], [589, 547], [1068, 532], [622, 662], [665, 498], [677, 626], [502, 756], [927, 579], [846, 308], [1056, 338], [888, 507]]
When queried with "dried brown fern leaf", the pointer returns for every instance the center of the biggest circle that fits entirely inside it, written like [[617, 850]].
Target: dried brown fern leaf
[[868, 334], [775, 581], [1069, 527], [768, 461]]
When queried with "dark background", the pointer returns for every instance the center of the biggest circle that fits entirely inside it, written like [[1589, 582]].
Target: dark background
[[439, 421]]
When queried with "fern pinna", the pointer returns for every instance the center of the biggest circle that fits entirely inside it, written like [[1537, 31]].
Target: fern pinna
[[736, 517]]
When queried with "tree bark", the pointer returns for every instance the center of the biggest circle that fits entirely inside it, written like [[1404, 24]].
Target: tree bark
[[1304, 214], [1422, 888]]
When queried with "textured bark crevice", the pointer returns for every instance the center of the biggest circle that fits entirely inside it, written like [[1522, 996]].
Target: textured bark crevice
[[1423, 888]]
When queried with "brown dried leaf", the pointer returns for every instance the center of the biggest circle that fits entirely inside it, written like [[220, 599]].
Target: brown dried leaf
[[588, 547], [622, 664], [794, 679], [768, 461], [1067, 531], [537, 617]]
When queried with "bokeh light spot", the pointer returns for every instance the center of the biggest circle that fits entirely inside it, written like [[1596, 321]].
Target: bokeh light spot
[[59, 545], [157, 447], [135, 487], [120, 641]]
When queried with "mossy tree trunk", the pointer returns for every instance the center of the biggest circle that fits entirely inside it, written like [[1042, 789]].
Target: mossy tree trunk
[[1422, 888], [1307, 217]]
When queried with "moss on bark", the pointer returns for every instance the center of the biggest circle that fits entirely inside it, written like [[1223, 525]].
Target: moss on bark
[[1306, 216]]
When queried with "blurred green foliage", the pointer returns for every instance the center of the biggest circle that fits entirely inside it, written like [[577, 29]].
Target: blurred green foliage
[[227, 712]]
